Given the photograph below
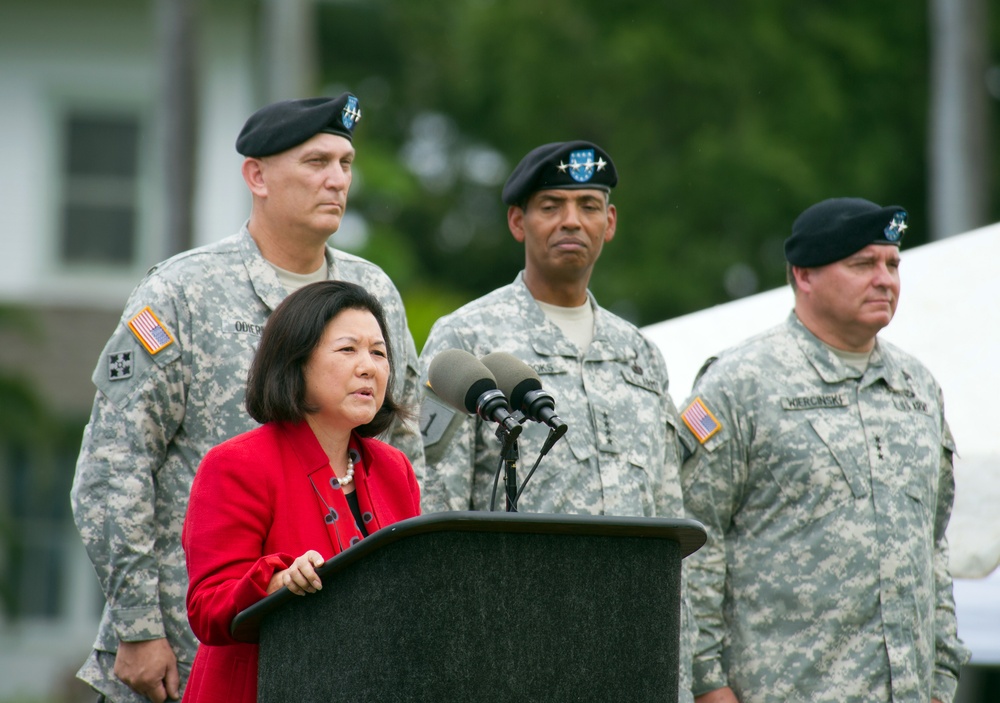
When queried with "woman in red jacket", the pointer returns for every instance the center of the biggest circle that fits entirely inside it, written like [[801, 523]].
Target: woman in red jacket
[[270, 506]]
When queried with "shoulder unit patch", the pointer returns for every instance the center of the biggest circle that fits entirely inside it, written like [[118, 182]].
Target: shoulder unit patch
[[120, 366]]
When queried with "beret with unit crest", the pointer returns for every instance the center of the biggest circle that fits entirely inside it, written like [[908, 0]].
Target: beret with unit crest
[[834, 229], [560, 166], [280, 126]]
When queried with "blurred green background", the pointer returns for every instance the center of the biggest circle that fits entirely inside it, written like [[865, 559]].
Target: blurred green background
[[725, 120]]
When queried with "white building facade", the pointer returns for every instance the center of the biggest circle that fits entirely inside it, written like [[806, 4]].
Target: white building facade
[[81, 220]]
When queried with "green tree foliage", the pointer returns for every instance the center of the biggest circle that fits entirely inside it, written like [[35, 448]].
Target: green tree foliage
[[725, 120], [22, 413]]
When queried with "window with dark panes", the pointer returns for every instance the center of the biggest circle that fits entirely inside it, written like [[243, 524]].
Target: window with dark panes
[[100, 206], [37, 535]]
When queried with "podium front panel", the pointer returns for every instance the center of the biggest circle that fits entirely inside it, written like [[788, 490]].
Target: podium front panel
[[484, 616]]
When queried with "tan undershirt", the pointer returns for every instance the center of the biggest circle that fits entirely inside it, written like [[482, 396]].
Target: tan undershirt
[[856, 360], [576, 323], [291, 281]]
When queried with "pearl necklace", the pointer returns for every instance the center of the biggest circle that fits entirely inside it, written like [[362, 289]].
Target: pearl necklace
[[346, 480]]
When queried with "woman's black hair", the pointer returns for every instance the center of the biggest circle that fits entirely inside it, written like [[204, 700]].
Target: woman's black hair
[[276, 387]]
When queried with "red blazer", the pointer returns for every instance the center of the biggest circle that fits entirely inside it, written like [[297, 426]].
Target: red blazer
[[253, 510]]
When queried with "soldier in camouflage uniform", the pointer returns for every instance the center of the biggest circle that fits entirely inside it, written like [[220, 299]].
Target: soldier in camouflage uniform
[[620, 455], [172, 377], [822, 470]]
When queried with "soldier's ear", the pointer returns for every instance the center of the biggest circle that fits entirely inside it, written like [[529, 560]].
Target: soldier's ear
[[802, 276], [253, 174], [515, 221], [609, 234]]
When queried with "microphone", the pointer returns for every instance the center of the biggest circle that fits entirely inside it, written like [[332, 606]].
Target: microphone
[[464, 382], [523, 387]]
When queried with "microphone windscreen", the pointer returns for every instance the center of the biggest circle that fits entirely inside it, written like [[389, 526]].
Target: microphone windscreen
[[513, 376], [459, 378]]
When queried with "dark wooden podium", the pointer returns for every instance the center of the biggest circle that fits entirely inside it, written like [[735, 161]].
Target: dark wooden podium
[[468, 606]]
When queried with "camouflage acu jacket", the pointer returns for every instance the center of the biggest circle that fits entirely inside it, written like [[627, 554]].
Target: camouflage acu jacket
[[826, 493], [170, 385], [620, 455]]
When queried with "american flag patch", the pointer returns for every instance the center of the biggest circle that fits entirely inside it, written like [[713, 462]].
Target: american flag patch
[[700, 420], [150, 331]]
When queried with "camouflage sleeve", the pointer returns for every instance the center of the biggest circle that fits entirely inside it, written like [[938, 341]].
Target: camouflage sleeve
[[689, 640], [672, 505], [449, 436], [950, 654], [669, 497], [405, 434], [669, 503], [138, 407], [710, 479]]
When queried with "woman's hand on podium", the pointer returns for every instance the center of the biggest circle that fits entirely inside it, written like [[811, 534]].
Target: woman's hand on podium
[[300, 578]]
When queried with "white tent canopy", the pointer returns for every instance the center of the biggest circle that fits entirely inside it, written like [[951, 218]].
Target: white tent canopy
[[949, 318]]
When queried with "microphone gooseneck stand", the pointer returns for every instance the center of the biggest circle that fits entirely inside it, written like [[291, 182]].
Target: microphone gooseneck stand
[[508, 463], [509, 458]]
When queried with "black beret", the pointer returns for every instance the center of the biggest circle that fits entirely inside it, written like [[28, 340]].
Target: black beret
[[282, 125], [560, 166], [834, 229]]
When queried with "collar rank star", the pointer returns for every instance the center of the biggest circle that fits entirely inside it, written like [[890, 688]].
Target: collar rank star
[[700, 420], [150, 332]]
